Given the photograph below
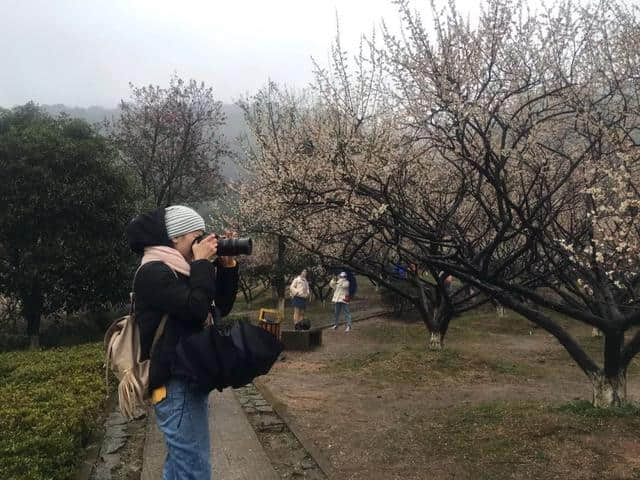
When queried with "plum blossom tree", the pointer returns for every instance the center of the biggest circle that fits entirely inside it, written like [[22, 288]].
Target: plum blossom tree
[[536, 115], [503, 153], [170, 139], [312, 187]]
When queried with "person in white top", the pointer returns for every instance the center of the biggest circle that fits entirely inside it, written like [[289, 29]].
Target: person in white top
[[299, 290], [341, 299]]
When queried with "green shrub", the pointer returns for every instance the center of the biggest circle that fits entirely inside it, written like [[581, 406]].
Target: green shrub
[[80, 327], [51, 402]]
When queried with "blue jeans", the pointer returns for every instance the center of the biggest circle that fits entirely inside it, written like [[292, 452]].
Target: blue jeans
[[183, 419], [342, 307]]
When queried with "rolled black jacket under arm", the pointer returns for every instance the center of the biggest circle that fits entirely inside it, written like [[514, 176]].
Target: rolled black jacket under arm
[[187, 299]]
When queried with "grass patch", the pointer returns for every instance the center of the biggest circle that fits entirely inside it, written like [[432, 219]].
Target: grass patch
[[491, 440], [51, 401], [488, 439], [482, 413], [402, 355], [405, 364], [506, 368], [584, 408], [414, 364], [481, 322]]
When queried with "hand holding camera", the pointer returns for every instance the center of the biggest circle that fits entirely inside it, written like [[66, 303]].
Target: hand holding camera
[[205, 247]]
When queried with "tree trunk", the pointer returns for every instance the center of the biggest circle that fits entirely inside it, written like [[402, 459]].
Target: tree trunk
[[318, 293], [32, 303], [280, 283], [33, 330], [281, 304], [436, 341], [33, 327], [609, 391], [442, 316], [610, 384], [435, 318]]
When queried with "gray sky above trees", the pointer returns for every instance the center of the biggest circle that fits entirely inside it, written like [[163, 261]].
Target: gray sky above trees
[[84, 53]]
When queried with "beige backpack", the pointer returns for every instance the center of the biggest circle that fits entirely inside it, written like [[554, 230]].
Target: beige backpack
[[122, 348]]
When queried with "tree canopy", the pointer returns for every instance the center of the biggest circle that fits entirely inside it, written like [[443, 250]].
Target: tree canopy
[[171, 140], [64, 208]]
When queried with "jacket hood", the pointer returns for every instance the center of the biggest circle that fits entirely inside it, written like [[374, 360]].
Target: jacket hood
[[148, 230]]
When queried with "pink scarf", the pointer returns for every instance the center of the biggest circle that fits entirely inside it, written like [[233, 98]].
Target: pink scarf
[[172, 257]]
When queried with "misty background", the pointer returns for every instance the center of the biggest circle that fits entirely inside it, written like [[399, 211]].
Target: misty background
[[80, 57], [234, 128]]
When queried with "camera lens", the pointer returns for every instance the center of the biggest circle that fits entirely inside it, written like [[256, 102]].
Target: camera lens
[[230, 247]]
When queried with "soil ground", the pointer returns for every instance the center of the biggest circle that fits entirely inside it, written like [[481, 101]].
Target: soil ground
[[501, 401]]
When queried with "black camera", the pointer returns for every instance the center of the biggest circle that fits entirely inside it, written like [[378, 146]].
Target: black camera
[[230, 247]]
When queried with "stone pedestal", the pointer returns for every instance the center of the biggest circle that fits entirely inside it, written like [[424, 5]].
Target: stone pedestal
[[301, 339]]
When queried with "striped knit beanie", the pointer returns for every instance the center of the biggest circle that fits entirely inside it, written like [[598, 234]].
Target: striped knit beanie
[[180, 220]]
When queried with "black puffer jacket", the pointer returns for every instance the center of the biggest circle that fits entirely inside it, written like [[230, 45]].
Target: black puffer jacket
[[187, 299]]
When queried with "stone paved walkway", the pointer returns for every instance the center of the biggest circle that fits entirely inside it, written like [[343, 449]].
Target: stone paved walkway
[[236, 453]]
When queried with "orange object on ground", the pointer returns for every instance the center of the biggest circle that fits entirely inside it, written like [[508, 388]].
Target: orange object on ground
[[270, 321]]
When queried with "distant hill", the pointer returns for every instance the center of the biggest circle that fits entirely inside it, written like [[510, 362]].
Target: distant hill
[[94, 114], [234, 127]]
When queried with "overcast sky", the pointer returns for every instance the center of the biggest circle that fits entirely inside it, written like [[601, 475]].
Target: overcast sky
[[85, 52]]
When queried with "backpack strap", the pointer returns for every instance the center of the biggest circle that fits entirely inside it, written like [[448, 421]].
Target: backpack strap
[[132, 295]]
